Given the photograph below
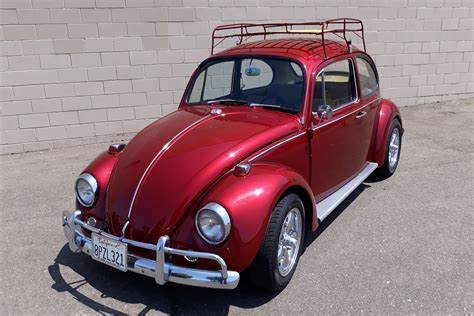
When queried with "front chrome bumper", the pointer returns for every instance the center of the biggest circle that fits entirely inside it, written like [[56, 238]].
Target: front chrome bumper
[[158, 269]]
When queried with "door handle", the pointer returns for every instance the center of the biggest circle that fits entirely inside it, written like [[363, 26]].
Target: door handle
[[361, 115]]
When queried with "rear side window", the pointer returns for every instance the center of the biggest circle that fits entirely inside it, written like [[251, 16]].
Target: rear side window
[[335, 85], [367, 76]]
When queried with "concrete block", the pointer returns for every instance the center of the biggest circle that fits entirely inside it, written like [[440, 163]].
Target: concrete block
[[8, 17], [134, 126], [128, 43], [130, 72], [19, 32], [143, 57], [171, 84], [55, 61], [46, 105], [63, 118], [33, 16], [79, 3], [47, 4], [6, 93], [20, 136], [15, 107], [37, 47], [24, 62], [108, 128], [145, 85], [115, 59], [112, 29], [65, 15], [68, 46], [72, 75], [153, 14], [141, 29], [83, 30], [130, 99], [99, 45], [38, 146], [50, 133], [169, 28], [9, 123], [81, 130], [92, 116], [59, 90], [89, 88], [117, 86], [33, 120], [110, 3], [28, 92], [51, 31], [187, 14], [105, 101], [149, 111], [76, 103], [212, 14], [96, 15], [102, 73], [156, 43], [85, 60], [119, 114]]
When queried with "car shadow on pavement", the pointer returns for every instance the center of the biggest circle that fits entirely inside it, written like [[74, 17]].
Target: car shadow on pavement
[[132, 288]]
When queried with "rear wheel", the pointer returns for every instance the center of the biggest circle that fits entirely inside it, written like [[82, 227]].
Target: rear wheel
[[392, 150], [279, 253]]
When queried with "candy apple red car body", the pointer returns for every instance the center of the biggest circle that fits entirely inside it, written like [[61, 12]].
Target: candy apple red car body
[[181, 162]]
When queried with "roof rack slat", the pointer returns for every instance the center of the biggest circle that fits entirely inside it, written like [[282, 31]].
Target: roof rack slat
[[243, 31]]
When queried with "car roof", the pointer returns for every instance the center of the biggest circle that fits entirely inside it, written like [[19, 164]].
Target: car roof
[[309, 49]]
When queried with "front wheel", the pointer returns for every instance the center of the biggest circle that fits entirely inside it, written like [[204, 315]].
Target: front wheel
[[392, 150], [279, 253]]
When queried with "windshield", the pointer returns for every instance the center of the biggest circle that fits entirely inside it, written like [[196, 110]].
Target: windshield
[[261, 81]]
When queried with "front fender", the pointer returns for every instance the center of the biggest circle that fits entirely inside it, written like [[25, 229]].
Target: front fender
[[101, 168], [388, 111], [249, 201]]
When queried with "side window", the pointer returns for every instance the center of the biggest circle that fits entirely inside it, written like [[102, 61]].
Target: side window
[[335, 85], [255, 73], [367, 77]]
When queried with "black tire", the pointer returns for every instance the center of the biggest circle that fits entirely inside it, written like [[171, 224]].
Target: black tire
[[388, 170], [264, 271]]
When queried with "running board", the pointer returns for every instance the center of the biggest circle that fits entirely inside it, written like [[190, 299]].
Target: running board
[[326, 206]]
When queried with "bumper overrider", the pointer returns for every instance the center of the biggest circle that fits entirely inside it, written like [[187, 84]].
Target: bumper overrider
[[159, 269]]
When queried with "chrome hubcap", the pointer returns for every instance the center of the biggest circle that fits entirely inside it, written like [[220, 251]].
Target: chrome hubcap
[[394, 148], [289, 242]]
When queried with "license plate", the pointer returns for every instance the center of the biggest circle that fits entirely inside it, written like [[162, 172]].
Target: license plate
[[109, 251]]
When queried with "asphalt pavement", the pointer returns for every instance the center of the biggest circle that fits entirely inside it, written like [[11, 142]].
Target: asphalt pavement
[[399, 246]]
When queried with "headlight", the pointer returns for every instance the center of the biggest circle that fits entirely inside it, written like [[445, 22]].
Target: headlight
[[213, 223], [86, 189]]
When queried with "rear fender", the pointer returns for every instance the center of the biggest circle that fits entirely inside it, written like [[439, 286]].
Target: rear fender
[[388, 111], [249, 201]]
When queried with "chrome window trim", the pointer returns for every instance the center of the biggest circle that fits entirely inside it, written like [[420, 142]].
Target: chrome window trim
[[356, 97], [222, 212], [162, 150], [275, 146], [93, 183], [344, 116]]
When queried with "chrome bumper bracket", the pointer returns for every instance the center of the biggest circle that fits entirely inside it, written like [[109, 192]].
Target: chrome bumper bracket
[[158, 269]]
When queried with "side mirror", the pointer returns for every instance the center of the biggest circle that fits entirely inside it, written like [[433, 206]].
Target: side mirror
[[324, 112]]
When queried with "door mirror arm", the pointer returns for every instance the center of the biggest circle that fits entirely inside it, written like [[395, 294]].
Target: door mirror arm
[[324, 112]]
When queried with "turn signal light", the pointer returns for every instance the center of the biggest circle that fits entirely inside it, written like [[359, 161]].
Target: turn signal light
[[242, 169]]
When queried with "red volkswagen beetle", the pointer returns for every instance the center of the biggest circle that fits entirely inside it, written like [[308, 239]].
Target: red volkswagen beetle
[[269, 138]]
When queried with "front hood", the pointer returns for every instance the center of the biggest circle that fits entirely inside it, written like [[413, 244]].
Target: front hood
[[168, 164]]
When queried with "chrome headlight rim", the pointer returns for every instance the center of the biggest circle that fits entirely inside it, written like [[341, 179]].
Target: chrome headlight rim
[[224, 216], [94, 186]]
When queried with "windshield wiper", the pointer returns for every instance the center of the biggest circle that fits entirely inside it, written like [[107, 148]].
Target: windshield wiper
[[281, 108], [228, 102]]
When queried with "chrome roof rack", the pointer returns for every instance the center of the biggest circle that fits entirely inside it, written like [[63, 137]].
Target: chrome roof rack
[[341, 27]]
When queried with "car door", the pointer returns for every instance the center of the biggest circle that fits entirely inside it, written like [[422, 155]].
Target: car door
[[339, 144]]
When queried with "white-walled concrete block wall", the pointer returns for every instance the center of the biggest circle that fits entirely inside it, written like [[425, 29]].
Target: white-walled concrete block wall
[[82, 71]]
